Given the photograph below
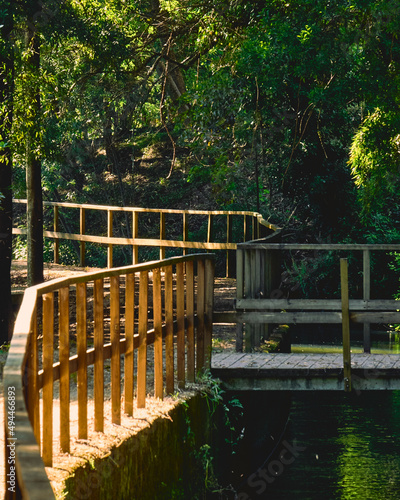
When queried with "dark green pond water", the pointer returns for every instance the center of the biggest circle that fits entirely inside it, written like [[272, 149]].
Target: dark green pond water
[[332, 445], [318, 445]]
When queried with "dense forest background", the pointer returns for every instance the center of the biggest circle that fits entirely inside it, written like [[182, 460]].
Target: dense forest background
[[289, 108]]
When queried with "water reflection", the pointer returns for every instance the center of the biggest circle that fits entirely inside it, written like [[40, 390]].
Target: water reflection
[[344, 446]]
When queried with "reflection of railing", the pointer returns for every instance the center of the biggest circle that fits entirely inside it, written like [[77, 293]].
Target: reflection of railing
[[109, 311], [242, 226], [260, 301]]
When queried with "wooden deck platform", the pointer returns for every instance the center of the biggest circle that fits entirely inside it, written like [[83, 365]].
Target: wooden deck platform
[[297, 371]]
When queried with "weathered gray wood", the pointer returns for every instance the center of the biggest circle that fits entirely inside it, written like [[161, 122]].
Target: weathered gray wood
[[345, 324], [316, 304]]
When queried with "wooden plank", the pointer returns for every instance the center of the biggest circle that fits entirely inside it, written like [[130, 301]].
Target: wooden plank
[[180, 318], [158, 345], [115, 334], [200, 304], [185, 235], [35, 414], [135, 233], [208, 311], [259, 317], [169, 331], [98, 313], [64, 369], [190, 321], [56, 242], [81, 340], [316, 304], [239, 275], [109, 235], [366, 297], [345, 324], [142, 349], [48, 343], [210, 228], [162, 234], [130, 345], [82, 245]]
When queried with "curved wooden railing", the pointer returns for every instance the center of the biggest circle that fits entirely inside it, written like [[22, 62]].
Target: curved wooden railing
[[107, 314], [237, 227]]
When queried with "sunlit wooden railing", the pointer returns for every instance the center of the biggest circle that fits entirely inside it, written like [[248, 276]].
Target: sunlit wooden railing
[[233, 227], [68, 324]]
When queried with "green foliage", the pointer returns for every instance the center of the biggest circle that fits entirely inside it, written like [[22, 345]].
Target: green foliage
[[375, 157]]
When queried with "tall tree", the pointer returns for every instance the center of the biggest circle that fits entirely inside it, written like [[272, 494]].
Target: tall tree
[[6, 112], [33, 161]]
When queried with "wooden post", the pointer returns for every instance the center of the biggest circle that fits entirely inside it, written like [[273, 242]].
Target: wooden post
[[239, 295], [115, 334], [109, 234], [158, 346], [200, 315], [210, 228], [56, 241], [98, 314], [185, 230], [345, 325], [162, 234], [169, 331], [208, 311], [367, 296], [81, 340], [33, 382], [82, 245], [64, 369], [190, 321], [48, 342], [142, 349], [180, 319], [129, 339], [135, 232], [230, 254]]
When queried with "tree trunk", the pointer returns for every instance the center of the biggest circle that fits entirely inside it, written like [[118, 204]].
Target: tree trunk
[[6, 92], [33, 163]]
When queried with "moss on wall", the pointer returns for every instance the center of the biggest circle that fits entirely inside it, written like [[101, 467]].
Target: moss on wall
[[161, 461]]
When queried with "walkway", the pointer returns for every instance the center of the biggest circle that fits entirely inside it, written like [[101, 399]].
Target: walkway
[[297, 371]]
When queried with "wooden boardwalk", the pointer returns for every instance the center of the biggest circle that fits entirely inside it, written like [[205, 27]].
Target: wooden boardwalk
[[297, 371]]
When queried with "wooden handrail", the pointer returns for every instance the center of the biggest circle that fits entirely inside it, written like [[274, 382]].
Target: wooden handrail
[[44, 326], [259, 300], [259, 227]]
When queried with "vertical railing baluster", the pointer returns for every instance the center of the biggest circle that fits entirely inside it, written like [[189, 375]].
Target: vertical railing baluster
[[345, 324], [367, 296], [32, 380], [82, 244], [81, 340], [169, 330], [142, 349], [98, 313], [56, 241], [129, 339], [48, 349], [135, 232], [200, 315], [64, 369], [185, 230], [180, 317], [208, 310], [115, 350], [110, 235], [190, 321], [158, 346], [162, 234]]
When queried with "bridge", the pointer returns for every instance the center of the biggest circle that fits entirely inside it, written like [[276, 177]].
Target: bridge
[[113, 319]]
